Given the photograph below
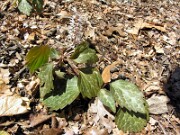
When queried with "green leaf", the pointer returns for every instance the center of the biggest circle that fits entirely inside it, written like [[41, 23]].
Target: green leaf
[[4, 133], [54, 54], [130, 121], [89, 83], [84, 54], [38, 4], [24, 7], [46, 77], [60, 74], [37, 57], [128, 95], [56, 102], [107, 99]]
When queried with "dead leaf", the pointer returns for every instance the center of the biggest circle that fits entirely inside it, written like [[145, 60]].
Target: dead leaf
[[95, 131], [98, 108], [111, 29], [159, 49], [4, 76], [141, 24], [13, 105], [158, 104], [106, 75], [38, 119], [52, 131], [31, 37]]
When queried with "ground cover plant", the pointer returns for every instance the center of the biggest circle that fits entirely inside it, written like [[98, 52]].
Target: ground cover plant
[[132, 114], [89, 67]]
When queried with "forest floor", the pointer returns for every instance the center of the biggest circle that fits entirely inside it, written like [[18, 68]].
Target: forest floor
[[143, 35]]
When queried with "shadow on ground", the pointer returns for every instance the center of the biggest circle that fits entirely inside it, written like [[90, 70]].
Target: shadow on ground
[[172, 89]]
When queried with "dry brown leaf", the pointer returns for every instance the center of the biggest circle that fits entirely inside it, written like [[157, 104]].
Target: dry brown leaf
[[13, 105], [64, 14], [52, 131], [95, 131], [38, 119], [31, 36], [98, 108], [158, 104], [106, 75], [141, 24], [113, 29], [4, 76]]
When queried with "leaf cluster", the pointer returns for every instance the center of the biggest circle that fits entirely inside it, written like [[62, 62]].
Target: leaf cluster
[[132, 114]]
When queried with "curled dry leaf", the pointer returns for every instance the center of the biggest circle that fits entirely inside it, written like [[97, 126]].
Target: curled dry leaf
[[106, 75], [141, 24], [13, 105]]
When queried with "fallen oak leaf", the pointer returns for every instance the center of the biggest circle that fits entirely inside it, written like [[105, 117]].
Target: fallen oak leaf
[[106, 75], [13, 105], [38, 119], [141, 24]]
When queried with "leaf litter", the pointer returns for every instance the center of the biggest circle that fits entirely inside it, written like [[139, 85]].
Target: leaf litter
[[149, 50]]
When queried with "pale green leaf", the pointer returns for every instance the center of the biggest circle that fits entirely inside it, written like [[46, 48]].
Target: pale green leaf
[[130, 121], [107, 99], [4, 133], [128, 95], [89, 83], [60, 74], [37, 57], [54, 54], [25, 7], [84, 54], [56, 102], [46, 77]]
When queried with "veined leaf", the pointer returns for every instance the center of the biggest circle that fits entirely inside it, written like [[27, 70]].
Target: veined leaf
[[46, 77], [130, 121], [107, 99], [60, 101], [54, 54], [128, 95], [84, 54], [89, 83], [25, 7], [37, 57]]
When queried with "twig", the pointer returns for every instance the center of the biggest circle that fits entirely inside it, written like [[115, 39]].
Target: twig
[[73, 67], [162, 128], [17, 74]]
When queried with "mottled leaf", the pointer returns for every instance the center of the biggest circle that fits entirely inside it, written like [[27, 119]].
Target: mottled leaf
[[46, 77], [54, 54], [25, 7], [89, 83], [37, 57], [130, 121], [128, 95], [107, 99], [56, 102], [84, 54]]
